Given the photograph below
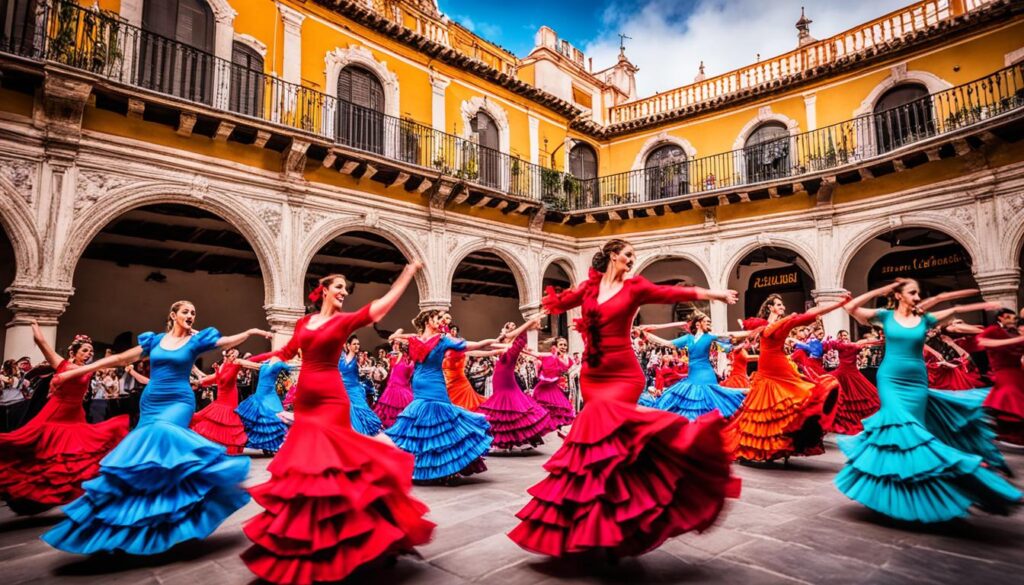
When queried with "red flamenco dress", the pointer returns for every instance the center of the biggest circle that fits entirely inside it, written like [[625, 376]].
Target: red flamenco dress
[[785, 414], [219, 422], [336, 499], [626, 478], [738, 370], [858, 396], [942, 377], [44, 463], [460, 390], [1006, 399]]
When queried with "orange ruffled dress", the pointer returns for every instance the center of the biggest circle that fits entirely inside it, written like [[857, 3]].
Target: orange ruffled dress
[[626, 478], [784, 413], [44, 463], [460, 391], [738, 371]]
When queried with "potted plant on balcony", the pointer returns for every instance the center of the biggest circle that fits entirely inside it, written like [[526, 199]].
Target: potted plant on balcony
[[469, 170], [550, 182], [555, 202]]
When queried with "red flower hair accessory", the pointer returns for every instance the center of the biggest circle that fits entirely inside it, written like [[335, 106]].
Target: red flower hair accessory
[[82, 338], [754, 323], [317, 294]]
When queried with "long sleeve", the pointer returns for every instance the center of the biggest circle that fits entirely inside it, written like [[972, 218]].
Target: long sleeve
[[290, 349], [560, 302], [647, 293], [808, 348]]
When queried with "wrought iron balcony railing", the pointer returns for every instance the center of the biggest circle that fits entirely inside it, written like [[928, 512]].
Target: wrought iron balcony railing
[[102, 44]]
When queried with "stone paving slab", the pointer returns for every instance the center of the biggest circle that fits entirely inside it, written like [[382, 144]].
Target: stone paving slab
[[791, 526]]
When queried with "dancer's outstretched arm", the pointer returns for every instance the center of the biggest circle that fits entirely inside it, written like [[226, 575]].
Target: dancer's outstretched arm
[[656, 326], [856, 305], [964, 328], [380, 307], [659, 340], [993, 343], [527, 326], [946, 296], [482, 344], [118, 359], [144, 380], [229, 341], [48, 352], [947, 313]]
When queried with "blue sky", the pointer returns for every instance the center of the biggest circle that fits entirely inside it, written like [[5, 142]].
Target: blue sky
[[670, 37]]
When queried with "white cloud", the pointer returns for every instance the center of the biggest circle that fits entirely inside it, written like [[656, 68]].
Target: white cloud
[[670, 38], [486, 30]]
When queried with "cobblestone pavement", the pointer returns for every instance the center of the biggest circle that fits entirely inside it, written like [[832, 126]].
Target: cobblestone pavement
[[790, 526]]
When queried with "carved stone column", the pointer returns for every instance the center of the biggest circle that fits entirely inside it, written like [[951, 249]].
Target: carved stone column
[[282, 322], [836, 320], [45, 305], [530, 311], [1001, 286]]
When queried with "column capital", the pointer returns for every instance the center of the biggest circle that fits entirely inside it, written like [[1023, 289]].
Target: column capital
[[431, 304], [828, 295], [292, 18], [281, 316], [530, 310], [42, 303], [1000, 286]]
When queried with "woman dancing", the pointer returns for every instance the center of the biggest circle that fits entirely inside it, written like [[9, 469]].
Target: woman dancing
[[516, 419], [1005, 347], [784, 413], [926, 456], [364, 420], [447, 441], [738, 360], [44, 463], [626, 478], [336, 499], [949, 374], [550, 372], [460, 390], [699, 392], [398, 393], [219, 422], [858, 397], [163, 484], [259, 412]]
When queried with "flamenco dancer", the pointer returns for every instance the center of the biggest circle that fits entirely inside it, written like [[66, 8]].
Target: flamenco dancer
[[219, 422], [516, 419], [364, 420], [44, 463], [626, 478], [259, 412], [1005, 347], [858, 396], [550, 372], [808, 354], [784, 414], [163, 484], [699, 392], [738, 360], [926, 456], [955, 374], [446, 441], [398, 393], [460, 390], [336, 499]]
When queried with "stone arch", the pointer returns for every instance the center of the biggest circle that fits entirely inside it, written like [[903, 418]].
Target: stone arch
[[898, 75], [941, 224], [774, 241], [16, 220], [1016, 239], [333, 228], [648, 260], [469, 109], [257, 226], [567, 266], [524, 282], [658, 140], [340, 58], [253, 43], [223, 18], [764, 114]]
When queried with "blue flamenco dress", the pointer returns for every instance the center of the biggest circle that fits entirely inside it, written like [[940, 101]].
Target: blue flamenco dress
[[444, 439], [259, 412], [163, 484], [364, 420], [926, 455], [699, 392]]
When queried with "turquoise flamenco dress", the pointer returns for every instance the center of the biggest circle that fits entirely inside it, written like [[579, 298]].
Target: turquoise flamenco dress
[[364, 420], [163, 484], [926, 455], [259, 412], [445, 440], [699, 393]]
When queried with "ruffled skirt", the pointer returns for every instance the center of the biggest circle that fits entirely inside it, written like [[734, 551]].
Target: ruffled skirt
[[551, 397], [162, 485], [220, 423], [336, 500], [1006, 403], [263, 427], [391, 403], [516, 419], [445, 440], [695, 400], [931, 472], [958, 378], [780, 420], [364, 420], [44, 463], [627, 479], [858, 400], [461, 393]]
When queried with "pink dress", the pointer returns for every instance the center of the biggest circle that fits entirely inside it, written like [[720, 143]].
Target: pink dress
[[548, 391], [398, 393], [515, 418]]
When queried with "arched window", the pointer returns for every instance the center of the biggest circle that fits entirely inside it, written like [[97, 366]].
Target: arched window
[[485, 133], [766, 152], [666, 171], [583, 166], [176, 48], [903, 115], [360, 109], [247, 81]]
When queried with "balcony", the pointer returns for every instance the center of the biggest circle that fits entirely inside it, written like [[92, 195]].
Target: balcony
[[145, 75]]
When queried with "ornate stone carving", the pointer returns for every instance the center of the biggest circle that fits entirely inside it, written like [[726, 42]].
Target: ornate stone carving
[[964, 216], [371, 219], [270, 213], [452, 242], [21, 174], [200, 186], [311, 219], [1014, 204], [92, 186]]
